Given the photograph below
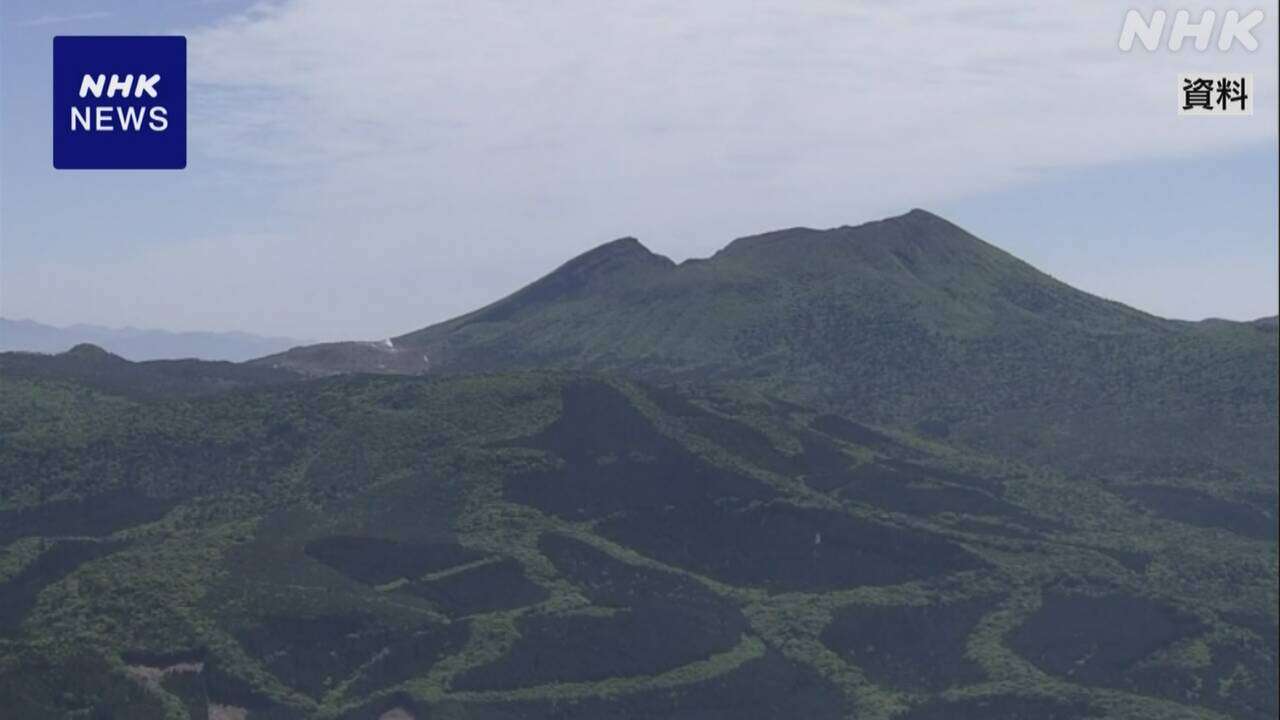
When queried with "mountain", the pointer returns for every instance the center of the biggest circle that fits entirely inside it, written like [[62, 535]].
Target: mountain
[[567, 545], [887, 472], [909, 322], [136, 344], [94, 368]]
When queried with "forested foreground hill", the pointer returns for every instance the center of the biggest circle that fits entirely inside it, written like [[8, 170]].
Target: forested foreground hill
[[203, 542]]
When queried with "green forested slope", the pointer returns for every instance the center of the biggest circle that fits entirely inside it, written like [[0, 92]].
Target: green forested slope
[[561, 545]]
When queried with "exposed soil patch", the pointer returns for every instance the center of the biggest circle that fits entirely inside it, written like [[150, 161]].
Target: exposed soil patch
[[189, 687], [181, 674], [237, 699], [227, 712], [152, 675], [82, 686], [183, 679]]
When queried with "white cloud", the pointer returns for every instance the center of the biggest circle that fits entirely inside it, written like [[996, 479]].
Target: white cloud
[[934, 97], [462, 147], [42, 20]]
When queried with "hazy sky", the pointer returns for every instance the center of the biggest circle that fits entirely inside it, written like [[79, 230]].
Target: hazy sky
[[361, 169]]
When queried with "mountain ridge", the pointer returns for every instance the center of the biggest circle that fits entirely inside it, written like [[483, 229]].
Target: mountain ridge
[[140, 344], [908, 322]]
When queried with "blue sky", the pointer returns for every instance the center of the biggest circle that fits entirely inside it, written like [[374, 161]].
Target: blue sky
[[357, 170]]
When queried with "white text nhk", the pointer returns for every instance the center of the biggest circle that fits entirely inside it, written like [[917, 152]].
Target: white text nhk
[[1235, 28], [108, 118]]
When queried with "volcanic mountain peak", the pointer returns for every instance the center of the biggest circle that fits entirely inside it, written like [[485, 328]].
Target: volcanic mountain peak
[[914, 243], [607, 261], [623, 250], [619, 302]]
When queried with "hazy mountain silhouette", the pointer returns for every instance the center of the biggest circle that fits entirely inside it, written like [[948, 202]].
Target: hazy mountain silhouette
[[138, 344]]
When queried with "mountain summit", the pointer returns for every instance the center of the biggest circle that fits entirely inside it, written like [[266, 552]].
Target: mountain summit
[[915, 268], [621, 263], [909, 321]]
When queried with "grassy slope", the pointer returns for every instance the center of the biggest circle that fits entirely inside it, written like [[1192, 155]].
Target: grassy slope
[[487, 533]]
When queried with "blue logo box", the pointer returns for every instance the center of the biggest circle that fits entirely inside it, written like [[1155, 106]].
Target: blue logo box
[[119, 102]]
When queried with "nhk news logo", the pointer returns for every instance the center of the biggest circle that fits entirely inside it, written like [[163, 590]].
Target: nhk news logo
[[119, 102]]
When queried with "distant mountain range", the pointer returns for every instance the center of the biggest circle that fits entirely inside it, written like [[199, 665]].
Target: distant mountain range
[[138, 344], [909, 322]]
